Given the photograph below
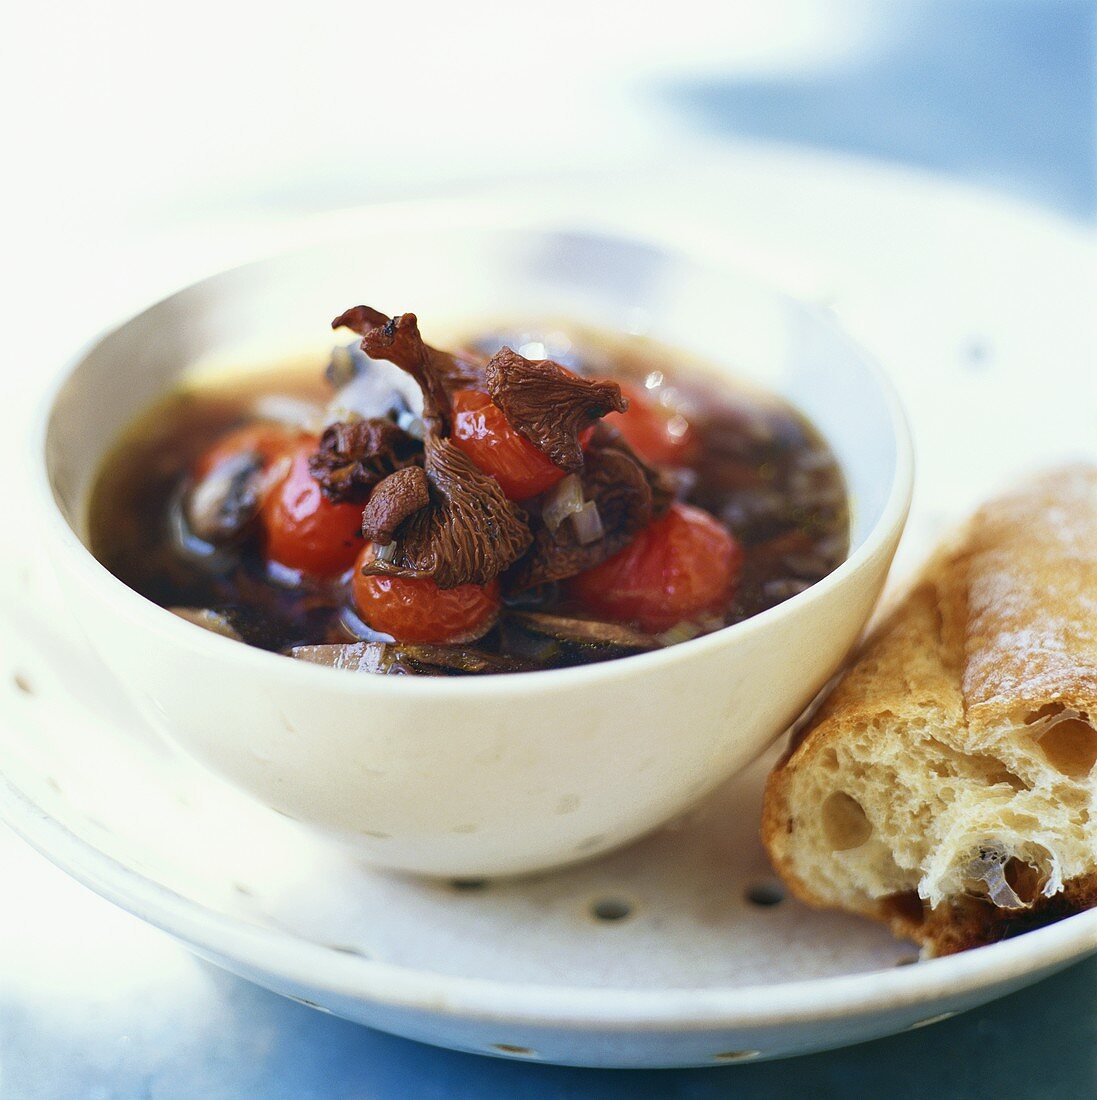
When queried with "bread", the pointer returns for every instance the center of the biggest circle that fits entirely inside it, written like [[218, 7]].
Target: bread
[[947, 785]]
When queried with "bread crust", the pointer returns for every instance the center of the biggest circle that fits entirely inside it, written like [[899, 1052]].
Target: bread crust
[[1000, 628]]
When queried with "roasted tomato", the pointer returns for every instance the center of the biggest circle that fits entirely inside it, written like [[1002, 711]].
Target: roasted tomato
[[303, 529], [481, 430], [678, 568], [655, 432], [266, 439], [413, 609]]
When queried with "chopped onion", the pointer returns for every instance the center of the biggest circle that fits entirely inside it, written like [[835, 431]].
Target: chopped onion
[[386, 553], [680, 632], [588, 523], [988, 870], [565, 498], [414, 426]]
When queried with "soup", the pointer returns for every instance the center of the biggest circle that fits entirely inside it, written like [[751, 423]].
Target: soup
[[536, 498]]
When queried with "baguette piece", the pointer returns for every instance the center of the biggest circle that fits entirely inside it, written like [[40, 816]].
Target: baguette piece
[[947, 786]]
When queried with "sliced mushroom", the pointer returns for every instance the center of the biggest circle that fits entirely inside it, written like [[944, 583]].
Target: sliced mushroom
[[221, 506], [384, 658], [585, 631], [217, 622]]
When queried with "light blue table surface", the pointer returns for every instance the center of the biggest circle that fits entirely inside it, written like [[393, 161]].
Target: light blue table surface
[[996, 93]]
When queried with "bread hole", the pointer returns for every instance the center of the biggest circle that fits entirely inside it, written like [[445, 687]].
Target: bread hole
[[1048, 710], [766, 894], [1070, 745], [1026, 881], [1008, 779], [611, 909], [845, 823]]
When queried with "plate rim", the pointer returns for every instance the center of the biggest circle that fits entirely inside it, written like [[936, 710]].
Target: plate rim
[[296, 961]]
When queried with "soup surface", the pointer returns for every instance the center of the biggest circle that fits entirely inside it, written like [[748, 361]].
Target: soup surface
[[204, 506]]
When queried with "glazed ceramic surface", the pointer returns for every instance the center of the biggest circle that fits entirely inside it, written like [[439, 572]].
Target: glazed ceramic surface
[[694, 972], [491, 775], [677, 950]]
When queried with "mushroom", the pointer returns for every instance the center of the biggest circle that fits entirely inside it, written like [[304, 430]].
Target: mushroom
[[217, 622], [219, 507], [585, 631], [395, 658]]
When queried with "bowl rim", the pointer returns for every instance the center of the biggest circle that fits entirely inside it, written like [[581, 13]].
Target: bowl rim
[[277, 953], [478, 217]]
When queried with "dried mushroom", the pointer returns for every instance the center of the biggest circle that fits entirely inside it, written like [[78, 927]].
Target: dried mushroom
[[619, 488], [548, 404], [399, 496], [468, 534], [355, 456], [456, 372], [667, 485]]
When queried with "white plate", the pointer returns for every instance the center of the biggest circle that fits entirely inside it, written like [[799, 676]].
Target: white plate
[[699, 969], [961, 297]]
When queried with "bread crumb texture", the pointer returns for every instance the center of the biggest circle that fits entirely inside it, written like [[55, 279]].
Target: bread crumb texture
[[948, 786]]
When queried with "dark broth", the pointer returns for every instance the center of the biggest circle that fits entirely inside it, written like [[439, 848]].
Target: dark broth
[[761, 469]]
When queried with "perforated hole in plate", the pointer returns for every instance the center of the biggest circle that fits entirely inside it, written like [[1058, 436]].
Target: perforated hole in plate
[[349, 949], [309, 1004], [611, 910], [514, 1051], [766, 894], [931, 1020], [736, 1055], [469, 885]]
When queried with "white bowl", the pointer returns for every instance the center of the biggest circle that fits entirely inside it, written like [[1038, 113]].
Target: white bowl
[[501, 774]]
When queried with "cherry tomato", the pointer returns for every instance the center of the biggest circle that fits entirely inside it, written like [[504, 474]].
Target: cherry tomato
[[303, 529], [265, 438], [481, 430], [414, 609], [655, 432], [678, 568]]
